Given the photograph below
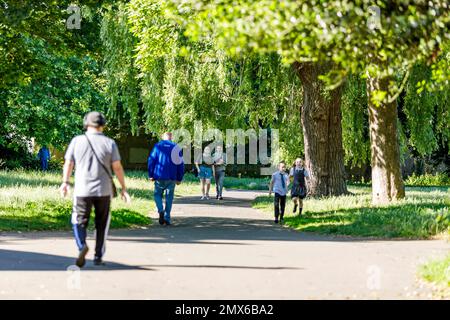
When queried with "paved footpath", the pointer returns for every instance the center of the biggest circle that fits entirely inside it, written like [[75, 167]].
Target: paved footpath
[[215, 250]]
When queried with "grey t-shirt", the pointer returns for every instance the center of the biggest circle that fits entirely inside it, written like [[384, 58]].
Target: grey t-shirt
[[217, 157], [91, 179]]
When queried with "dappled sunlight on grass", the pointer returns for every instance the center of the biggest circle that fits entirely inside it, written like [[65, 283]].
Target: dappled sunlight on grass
[[31, 201], [423, 213]]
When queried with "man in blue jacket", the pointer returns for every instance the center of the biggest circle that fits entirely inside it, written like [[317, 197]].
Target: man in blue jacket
[[166, 169], [44, 157]]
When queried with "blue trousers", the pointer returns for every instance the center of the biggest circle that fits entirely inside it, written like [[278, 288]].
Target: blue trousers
[[44, 164], [167, 188]]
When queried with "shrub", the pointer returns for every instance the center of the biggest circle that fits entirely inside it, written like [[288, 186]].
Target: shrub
[[428, 180]]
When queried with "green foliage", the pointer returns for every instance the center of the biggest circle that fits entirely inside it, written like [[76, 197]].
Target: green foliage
[[426, 112], [161, 80], [49, 75], [355, 136], [423, 214], [50, 109], [334, 31], [428, 180]]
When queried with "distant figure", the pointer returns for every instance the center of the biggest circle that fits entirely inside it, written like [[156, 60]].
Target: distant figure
[[44, 157], [166, 169], [298, 175], [205, 172], [220, 159], [278, 185], [93, 155]]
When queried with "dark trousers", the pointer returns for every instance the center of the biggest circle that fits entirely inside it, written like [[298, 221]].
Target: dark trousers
[[279, 203], [81, 213], [219, 177]]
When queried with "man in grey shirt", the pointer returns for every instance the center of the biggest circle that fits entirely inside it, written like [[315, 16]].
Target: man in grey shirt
[[93, 155], [220, 159]]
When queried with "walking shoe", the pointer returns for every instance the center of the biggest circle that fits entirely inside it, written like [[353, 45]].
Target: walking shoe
[[295, 208], [217, 196], [81, 260], [220, 198], [276, 221], [202, 198], [161, 218], [207, 197], [98, 261], [167, 223]]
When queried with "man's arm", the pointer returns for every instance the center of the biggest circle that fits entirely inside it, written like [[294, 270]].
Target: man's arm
[[151, 162], [180, 168], [118, 171], [271, 187], [67, 172]]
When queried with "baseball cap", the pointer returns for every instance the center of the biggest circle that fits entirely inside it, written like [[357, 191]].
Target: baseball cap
[[94, 119]]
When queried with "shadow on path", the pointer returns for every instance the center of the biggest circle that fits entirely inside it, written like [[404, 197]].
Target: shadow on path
[[13, 260]]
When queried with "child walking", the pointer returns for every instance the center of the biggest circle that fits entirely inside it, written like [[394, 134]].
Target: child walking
[[278, 185], [298, 175]]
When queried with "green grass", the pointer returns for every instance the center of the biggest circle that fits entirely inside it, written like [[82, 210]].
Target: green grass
[[437, 271], [30, 200], [423, 214], [247, 183]]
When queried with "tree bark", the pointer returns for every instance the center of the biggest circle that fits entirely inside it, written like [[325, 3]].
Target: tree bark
[[387, 182], [322, 132]]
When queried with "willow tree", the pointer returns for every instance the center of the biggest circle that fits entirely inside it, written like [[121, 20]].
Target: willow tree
[[243, 27], [160, 79], [377, 39]]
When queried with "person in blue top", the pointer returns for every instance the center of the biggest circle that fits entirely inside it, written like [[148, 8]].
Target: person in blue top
[[166, 169], [44, 157]]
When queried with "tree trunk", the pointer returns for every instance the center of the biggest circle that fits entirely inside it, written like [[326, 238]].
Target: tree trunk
[[322, 132], [387, 182]]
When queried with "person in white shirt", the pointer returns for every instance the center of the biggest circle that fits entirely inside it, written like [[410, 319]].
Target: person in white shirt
[[298, 176], [278, 185]]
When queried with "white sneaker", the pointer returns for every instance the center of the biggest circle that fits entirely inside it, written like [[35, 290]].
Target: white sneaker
[[203, 198], [207, 197]]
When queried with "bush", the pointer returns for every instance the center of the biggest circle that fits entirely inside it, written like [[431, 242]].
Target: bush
[[428, 180]]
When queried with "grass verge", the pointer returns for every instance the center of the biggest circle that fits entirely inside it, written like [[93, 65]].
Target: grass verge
[[437, 272], [422, 215]]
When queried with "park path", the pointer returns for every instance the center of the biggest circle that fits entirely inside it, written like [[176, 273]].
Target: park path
[[215, 250]]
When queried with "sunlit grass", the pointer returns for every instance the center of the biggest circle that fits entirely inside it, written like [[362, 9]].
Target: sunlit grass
[[30, 200], [424, 213], [437, 272]]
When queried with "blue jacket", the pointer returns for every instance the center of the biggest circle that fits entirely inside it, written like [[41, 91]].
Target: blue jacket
[[161, 165]]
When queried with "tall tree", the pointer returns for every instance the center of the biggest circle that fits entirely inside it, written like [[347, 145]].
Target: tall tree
[[240, 27], [376, 38]]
